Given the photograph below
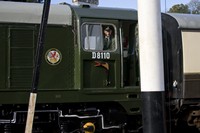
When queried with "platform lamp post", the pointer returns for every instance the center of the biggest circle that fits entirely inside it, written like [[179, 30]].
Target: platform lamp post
[[36, 72], [151, 66]]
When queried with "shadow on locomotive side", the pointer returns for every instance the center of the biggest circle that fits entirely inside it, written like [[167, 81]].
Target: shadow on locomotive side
[[85, 87]]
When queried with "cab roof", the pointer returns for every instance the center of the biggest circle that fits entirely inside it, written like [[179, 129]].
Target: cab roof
[[106, 13]]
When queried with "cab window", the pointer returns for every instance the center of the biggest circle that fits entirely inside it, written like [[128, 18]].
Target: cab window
[[98, 37]]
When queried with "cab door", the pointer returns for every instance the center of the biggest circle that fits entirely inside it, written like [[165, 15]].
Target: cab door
[[129, 53], [100, 60]]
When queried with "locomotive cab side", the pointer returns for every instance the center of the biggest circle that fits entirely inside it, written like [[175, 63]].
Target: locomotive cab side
[[111, 67], [80, 81]]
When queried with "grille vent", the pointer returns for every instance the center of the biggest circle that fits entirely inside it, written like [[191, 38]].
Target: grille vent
[[21, 57]]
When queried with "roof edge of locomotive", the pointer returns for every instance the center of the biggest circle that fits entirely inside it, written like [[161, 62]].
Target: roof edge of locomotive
[[60, 14], [31, 13]]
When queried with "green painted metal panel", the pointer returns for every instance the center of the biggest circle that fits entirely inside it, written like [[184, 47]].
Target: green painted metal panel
[[96, 76], [75, 79], [61, 75]]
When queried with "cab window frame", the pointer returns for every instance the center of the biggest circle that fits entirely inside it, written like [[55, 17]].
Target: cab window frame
[[84, 34]]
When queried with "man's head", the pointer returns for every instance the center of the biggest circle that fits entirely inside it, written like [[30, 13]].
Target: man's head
[[107, 31]]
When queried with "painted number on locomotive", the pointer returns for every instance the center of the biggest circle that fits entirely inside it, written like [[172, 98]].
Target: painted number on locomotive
[[100, 55]]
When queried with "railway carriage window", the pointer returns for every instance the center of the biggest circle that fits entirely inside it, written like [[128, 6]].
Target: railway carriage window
[[98, 37]]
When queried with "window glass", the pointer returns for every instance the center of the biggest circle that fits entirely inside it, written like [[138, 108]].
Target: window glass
[[98, 37]]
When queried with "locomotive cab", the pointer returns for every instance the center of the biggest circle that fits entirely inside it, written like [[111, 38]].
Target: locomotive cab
[[103, 66]]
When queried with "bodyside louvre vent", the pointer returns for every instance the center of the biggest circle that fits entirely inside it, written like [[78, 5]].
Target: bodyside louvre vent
[[21, 51]]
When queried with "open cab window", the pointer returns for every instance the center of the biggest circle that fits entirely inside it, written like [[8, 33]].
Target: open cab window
[[98, 37]]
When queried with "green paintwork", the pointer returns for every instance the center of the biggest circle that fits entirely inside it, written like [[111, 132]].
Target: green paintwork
[[75, 78]]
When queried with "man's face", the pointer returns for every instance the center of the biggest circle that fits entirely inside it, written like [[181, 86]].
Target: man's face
[[107, 33]]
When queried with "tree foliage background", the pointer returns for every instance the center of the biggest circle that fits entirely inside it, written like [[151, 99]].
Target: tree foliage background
[[192, 7], [179, 8]]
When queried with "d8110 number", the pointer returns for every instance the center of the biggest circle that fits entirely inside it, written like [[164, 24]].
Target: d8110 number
[[100, 55]]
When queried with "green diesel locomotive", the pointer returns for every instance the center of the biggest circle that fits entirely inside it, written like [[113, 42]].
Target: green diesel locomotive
[[89, 77], [80, 81]]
